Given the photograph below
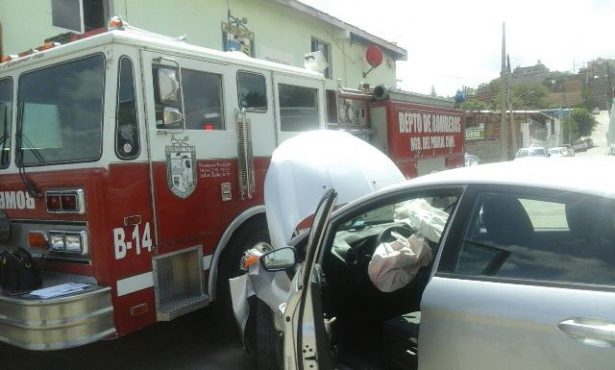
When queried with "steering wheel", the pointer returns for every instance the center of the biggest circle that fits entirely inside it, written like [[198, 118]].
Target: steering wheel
[[385, 235]]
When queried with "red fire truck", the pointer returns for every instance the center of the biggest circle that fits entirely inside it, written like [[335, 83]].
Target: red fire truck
[[420, 133], [131, 167]]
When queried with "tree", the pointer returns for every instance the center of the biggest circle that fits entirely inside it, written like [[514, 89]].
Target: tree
[[584, 121], [570, 130], [528, 96], [524, 96], [474, 105]]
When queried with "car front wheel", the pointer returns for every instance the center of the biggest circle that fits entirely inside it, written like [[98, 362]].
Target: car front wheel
[[268, 340]]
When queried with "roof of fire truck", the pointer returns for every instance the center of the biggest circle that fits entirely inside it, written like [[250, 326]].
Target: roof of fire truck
[[121, 33]]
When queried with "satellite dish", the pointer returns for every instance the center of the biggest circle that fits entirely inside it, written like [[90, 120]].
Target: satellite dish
[[374, 55]]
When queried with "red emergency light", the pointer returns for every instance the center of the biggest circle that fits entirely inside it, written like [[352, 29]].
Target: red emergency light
[[65, 201]]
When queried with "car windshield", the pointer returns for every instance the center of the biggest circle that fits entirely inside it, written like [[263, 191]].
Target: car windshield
[[537, 152]]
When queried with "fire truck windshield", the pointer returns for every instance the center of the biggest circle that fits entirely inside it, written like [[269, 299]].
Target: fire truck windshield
[[61, 113]]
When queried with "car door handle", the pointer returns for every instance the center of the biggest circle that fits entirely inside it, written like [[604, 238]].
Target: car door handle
[[594, 332]]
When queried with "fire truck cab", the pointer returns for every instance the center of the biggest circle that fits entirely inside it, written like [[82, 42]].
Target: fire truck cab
[[132, 169]]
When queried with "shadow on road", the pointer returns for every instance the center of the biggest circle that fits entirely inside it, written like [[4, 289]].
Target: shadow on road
[[200, 340]]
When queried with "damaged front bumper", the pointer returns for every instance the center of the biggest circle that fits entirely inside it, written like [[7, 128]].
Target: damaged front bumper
[[272, 288]]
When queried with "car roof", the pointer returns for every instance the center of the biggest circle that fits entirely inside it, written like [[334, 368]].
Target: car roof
[[579, 174]]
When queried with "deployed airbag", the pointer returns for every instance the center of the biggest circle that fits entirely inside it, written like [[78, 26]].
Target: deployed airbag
[[395, 264]]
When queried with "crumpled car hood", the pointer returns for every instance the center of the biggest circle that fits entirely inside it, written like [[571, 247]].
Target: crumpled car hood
[[304, 167]]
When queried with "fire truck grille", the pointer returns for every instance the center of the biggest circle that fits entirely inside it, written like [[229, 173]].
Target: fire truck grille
[[178, 279]]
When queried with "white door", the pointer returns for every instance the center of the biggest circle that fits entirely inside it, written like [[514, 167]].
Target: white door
[[305, 339]]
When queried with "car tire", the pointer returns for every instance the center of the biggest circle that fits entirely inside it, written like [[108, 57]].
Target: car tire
[[268, 340]]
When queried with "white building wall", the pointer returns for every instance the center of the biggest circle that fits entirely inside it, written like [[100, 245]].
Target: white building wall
[[281, 34]]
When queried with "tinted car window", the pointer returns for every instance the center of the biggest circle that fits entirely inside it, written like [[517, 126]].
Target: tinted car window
[[563, 240]]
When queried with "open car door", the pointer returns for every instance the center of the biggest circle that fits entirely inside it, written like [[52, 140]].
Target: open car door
[[305, 337]]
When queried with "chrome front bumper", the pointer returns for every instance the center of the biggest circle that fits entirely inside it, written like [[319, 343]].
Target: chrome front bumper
[[56, 323]]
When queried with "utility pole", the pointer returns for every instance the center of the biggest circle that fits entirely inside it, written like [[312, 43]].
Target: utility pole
[[565, 106], [504, 100], [509, 106], [610, 91]]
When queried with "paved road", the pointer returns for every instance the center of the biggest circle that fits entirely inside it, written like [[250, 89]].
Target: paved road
[[199, 340]]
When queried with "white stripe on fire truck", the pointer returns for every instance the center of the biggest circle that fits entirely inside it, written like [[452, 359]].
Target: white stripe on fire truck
[[207, 262], [135, 283]]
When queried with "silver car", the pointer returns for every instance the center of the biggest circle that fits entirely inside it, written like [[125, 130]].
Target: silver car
[[558, 151], [515, 271], [531, 152]]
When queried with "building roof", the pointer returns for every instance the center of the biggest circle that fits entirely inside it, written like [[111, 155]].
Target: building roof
[[389, 47]]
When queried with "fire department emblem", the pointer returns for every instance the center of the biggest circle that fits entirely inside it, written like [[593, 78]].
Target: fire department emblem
[[181, 167]]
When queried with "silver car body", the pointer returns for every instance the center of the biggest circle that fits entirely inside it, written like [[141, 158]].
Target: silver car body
[[558, 151], [480, 322], [302, 169]]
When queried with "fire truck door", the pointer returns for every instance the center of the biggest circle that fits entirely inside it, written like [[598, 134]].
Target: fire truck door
[[254, 93], [254, 126], [299, 105], [192, 144]]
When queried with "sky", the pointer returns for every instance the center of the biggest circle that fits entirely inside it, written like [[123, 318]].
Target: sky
[[452, 44]]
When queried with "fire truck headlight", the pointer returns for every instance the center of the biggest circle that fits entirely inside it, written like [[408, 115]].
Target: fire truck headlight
[[68, 242], [56, 243], [73, 243]]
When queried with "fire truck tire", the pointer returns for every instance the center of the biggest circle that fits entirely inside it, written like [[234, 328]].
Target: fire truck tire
[[250, 234], [269, 342]]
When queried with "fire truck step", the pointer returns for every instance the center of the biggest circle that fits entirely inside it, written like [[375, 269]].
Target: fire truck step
[[181, 307]]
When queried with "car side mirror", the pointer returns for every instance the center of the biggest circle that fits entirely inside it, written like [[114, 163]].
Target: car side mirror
[[279, 259]]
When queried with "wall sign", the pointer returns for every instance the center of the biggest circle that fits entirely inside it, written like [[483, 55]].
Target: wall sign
[[237, 38]]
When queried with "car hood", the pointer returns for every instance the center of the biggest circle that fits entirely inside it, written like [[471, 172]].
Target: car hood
[[304, 167]]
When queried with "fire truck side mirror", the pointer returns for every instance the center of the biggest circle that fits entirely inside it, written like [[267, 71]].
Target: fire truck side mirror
[[168, 86], [171, 116]]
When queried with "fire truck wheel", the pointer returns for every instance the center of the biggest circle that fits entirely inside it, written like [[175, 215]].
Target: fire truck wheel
[[252, 233], [269, 343]]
